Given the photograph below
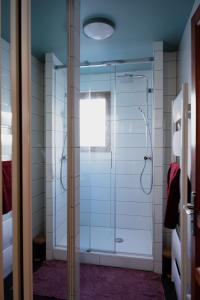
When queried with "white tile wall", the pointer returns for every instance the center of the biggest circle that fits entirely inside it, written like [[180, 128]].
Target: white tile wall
[[55, 131], [170, 92], [38, 155], [158, 139], [38, 167], [162, 152]]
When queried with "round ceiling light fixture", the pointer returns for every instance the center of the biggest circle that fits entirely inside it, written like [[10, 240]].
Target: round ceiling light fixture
[[98, 28]]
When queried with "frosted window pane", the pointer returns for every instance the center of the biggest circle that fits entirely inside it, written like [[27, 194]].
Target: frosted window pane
[[93, 122]]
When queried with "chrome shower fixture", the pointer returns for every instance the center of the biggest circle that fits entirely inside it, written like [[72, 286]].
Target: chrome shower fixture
[[147, 157]]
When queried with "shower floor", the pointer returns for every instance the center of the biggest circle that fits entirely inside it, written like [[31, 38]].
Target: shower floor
[[102, 239]]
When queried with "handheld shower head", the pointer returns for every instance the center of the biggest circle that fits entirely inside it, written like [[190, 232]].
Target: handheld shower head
[[143, 115], [147, 157]]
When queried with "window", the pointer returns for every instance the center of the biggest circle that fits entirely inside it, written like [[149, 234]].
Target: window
[[95, 121]]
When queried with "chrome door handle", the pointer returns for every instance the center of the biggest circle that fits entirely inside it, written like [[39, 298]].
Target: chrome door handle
[[189, 208]]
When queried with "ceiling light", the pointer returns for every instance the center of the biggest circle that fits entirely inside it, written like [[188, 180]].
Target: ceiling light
[[98, 28]]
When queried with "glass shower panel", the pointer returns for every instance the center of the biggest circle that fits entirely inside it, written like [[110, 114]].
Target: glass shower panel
[[60, 156], [97, 213], [134, 160]]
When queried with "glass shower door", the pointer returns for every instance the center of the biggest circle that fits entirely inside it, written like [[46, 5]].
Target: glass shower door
[[97, 214], [134, 160]]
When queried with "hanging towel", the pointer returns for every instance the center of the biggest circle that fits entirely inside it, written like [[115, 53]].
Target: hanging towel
[[173, 193], [7, 186]]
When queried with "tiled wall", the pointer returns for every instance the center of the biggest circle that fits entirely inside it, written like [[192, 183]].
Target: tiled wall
[[55, 132], [38, 150], [158, 156], [38, 156], [170, 92], [165, 87]]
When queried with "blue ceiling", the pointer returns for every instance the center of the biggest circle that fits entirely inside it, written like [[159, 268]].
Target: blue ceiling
[[138, 24]]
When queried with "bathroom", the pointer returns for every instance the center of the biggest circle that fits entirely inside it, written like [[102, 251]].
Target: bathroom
[[101, 139]]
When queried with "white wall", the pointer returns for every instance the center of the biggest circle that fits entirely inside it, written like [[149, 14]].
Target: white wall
[[185, 64], [37, 132], [184, 59]]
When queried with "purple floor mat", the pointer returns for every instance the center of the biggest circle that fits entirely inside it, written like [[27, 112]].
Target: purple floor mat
[[98, 283]]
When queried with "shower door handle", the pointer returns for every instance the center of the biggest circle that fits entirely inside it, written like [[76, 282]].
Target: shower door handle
[[189, 209], [110, 159]]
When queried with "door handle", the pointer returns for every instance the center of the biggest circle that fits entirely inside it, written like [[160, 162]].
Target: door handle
[[189, 208]]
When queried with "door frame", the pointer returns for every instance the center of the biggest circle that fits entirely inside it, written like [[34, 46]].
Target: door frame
[[195, 143]]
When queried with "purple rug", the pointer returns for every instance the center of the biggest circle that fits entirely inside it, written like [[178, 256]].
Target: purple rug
[[98, 283]]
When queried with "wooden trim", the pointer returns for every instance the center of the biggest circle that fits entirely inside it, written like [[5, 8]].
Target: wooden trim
[[195, 129], [1, 202], [26, 146], [70, 165], [73, 197], [21, 149], [16, 150]]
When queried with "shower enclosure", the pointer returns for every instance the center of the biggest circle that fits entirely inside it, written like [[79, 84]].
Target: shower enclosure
[[116, 160]]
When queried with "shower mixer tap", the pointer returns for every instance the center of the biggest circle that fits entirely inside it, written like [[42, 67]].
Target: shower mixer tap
[[64, 157], [147, 157]]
